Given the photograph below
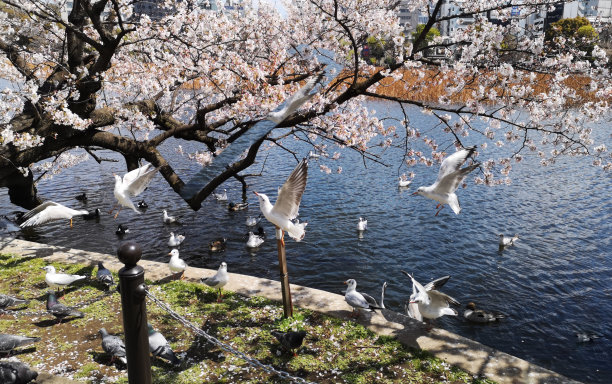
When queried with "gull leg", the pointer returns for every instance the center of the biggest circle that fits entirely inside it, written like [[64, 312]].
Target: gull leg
[[117, 214], [438, 206], [283, 237], [70, 222], [111, 211], [219, 296], [439, 210]]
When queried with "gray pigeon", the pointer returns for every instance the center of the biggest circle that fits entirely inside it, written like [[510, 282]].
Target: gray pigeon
[[10, 301], [158, 345], [290, 340], [113, 345], [104, 276], [16, 372], [59, 310], [10, 342]]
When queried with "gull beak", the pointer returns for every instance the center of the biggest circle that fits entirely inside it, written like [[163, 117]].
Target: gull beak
[[345, 282], [169, 253], [256, 194], [415, 193]]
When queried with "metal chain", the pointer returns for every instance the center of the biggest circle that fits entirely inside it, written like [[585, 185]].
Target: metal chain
[[254, 362], [45, 313]]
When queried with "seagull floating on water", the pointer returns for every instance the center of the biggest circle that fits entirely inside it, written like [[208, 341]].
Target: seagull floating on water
[[175, 240], [218, 280], [254, 241], [403, 182], [221, 196], [9, 342], [449, 177], [507, 241], [49, 211], [290, 340], [481, 316], [131, 185], [59, 310], [287, 204], [59, 280], [113, 345], [431, 303], [252, 221], [104, 276], [11, 301], [362, 225], [159, 346], [169, 219], [16, 372], [176, 264], [296, 100], [356, 299]]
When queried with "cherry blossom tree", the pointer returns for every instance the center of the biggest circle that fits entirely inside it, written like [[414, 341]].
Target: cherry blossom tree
[[102, 77]]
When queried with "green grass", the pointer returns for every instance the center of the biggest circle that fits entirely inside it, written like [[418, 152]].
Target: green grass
[[334, 351]]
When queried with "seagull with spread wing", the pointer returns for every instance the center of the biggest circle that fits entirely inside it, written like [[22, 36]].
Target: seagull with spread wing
[[49, 211], [287, 204], [132, 184], [431, 303], [296, 100], [449, 177]]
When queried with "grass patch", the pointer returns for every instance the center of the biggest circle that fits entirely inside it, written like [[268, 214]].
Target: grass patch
[[334, 351]]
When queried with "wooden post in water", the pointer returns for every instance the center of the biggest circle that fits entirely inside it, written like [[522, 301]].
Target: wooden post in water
[[284, 275]]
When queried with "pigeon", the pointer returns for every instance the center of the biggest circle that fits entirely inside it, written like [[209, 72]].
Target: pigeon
[[287, 203], [217, 245], [122, 229], [290, 340], [10, 342], [104, 276], [10, 301], [59, 310], [449, 177], [158, 346], [296, 100], [506, 241], [176, 264], [233, 207], [254, 241], [93, 215], [49, 211], [362, 225], [16, 372], [175, 240], [132, 184], [59, 280], [481, 316], [356, 299], [431, 303], [169, 219], [113, 345], [81, 197], [218, 280], [221, 196]]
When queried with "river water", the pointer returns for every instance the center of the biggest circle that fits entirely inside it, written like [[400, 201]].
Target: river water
[[555, 282]]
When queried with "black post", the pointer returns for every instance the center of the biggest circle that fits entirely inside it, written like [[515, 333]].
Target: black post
[[134, 308]]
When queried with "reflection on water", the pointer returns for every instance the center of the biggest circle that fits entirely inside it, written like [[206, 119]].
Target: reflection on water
[[553, 283]]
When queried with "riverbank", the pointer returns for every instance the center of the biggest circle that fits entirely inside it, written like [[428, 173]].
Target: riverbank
[[455, 350]]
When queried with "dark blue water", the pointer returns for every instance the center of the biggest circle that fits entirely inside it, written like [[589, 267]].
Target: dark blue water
[[555, 282]]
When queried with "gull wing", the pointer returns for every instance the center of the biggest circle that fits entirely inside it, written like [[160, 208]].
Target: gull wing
[[438, 296], [369, 299], [295, 101], [45, 212], [38, 209], [356, 300], [453, 162], [450, 182], [437, 283], [290, 195], [139, 181], [418, 291]]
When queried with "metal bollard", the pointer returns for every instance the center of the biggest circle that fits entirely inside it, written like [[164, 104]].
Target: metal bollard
[[134, 308]]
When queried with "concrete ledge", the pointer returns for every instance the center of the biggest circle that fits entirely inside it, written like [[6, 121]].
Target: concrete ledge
[[464, 353]]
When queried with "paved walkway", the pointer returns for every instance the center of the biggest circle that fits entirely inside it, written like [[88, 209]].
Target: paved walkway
[[464, 353]]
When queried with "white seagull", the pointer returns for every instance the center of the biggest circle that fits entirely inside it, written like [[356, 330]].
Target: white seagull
[[254, 241], [507, 241], [362, 225], [175, 240], [218, 280], [176, 264], [431, 303], [221, 196], [251, 221], [132, 184], [296, 100], [287, 204], [356, 299], [49, 211], [59, 280], [449, 177], [169, 219], [403, 181]]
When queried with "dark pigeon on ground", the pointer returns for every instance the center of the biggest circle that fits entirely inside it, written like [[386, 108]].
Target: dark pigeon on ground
[[59, 310], [9, 342], [158, 345], [104, 276], [290, 340], [11, 301], [113, 345], [16, 372]]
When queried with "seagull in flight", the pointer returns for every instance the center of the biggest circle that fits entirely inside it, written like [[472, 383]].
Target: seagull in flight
[[131, 185], [431, 303], [49, 211], [449, 177], [287, 205], [298, 99]]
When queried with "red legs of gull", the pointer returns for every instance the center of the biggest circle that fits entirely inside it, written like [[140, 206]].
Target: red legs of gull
[[439, 209], [219, 296], [111, 211], [117, 214]]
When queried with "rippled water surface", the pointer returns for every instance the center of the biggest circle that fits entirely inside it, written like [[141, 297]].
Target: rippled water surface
[[555, 282]]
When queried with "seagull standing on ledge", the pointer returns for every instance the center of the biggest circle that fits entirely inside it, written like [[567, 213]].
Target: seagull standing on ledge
[[287, 204], [49, 211], [132, 184], [449, 177]]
